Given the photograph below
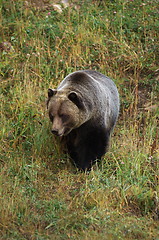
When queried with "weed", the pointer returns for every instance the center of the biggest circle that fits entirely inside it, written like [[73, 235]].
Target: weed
[[42, 195]]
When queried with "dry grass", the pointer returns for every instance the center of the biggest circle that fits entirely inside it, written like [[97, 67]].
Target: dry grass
[[42, 196]]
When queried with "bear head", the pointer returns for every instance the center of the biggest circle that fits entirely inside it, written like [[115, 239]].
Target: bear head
[[66, 110]]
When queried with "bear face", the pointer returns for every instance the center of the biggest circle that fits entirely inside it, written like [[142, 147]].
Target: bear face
[[66, 111]]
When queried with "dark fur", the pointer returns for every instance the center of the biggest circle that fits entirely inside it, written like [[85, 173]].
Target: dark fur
[[91, 146]]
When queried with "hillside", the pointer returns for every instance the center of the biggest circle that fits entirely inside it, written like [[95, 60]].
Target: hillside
[[42, 196]]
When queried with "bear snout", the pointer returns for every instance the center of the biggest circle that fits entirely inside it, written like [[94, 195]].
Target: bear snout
[[55, 132]]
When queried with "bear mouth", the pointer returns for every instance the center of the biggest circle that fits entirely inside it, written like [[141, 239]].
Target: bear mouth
[[63, 132], [67, 131]]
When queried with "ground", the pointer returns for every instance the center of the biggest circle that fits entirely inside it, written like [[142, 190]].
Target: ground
[[42, 195]]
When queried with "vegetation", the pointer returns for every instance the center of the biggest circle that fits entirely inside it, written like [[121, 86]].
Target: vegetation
[[42, 196]]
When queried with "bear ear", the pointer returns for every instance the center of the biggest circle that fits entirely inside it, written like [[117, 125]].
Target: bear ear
[[73, 96], [51, 92]]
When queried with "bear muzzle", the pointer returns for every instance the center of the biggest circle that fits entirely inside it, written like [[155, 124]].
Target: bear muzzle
[[58, 133], [62, 132], [55, 132]]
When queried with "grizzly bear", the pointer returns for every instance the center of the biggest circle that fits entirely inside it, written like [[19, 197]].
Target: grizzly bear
[[83, 111]]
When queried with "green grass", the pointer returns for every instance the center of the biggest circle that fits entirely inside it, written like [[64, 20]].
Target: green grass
[[42, 196]]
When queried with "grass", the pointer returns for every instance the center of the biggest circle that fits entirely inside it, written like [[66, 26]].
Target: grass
[[42, 196]]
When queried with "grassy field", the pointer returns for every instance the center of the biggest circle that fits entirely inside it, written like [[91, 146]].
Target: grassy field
[[42, 196]]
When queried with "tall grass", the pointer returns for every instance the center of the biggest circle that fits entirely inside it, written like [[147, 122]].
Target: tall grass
[[42, 195]]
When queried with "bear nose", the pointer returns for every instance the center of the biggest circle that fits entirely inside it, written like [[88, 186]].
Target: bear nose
[[55, 132]]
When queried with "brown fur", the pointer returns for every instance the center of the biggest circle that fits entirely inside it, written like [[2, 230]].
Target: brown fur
[[83, 110]]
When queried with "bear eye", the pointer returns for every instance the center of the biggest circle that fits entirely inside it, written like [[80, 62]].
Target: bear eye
[[51, 117], [64, 117]]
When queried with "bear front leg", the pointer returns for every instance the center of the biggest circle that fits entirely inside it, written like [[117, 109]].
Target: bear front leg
[[89, 149]]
